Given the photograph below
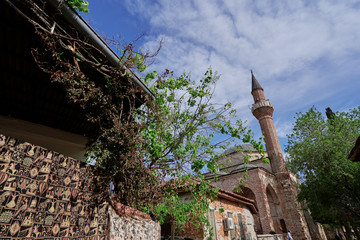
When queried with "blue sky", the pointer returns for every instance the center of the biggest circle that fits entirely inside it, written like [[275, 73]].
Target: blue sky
[[303, 53]]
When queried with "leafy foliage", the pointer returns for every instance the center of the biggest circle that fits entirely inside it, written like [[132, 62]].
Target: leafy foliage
[[318, 149], [184, 135], [79, 5], [182, 122]]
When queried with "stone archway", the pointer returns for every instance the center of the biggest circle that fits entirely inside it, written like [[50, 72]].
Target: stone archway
[[275, 210], [248, 193]]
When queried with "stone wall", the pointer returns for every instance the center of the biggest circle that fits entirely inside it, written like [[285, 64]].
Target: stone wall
[[232, 161], [132, 224], [46, 195], [271, 237], [293, 215]]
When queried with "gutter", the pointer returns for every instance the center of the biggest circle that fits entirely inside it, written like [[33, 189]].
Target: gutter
[[84, 28]]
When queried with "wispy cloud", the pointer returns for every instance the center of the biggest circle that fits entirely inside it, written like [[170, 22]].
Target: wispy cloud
[[283, 128], [303, 52]]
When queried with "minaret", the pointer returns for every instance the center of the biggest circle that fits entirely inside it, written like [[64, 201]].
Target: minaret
[[293, 217], [263, 110]]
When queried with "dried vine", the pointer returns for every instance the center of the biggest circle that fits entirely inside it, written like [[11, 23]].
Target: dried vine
[[109, 98]]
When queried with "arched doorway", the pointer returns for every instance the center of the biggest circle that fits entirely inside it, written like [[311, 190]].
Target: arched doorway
[[275, 210]]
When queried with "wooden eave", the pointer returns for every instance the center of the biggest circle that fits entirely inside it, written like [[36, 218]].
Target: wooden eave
[[26, 91]]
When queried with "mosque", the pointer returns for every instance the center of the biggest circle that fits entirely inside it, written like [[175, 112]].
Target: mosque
[[272, 186]]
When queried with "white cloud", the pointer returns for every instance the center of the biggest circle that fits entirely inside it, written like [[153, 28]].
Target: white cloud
[[283, 128], [300, 51]]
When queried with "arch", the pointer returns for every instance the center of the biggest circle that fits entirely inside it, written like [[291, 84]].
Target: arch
[[275, 210], [248, 193]]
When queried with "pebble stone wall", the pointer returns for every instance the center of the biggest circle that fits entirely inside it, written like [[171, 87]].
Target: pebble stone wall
[[132, 224]]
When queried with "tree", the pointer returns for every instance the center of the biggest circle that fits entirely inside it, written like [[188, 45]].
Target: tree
[[184, 135], [318, 149], [79, 5]]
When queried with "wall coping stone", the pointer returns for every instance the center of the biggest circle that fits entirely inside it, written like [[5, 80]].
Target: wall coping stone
[[123, 210]]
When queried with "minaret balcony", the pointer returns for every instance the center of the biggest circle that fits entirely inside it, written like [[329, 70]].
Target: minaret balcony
[[261, 104]]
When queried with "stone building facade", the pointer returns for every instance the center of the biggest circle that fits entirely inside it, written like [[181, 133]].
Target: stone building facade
[[271, 186]]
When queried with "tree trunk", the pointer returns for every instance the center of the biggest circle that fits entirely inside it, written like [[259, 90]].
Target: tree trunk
[[354, 226], [348, 231]]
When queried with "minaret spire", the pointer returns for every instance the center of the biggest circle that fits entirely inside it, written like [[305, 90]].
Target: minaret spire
[[255, 83]]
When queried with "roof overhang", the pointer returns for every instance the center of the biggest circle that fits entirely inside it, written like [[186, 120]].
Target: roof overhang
[[84, 28], [231, 196], [26, 91], [234, 197]]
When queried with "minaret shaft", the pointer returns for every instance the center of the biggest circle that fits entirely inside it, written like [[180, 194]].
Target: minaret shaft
[[272, 144]]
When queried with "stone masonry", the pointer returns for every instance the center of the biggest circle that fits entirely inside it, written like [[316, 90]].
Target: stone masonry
[[128, 223], [242, 216]]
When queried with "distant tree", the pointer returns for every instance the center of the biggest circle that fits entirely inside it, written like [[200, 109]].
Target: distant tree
[[318, 149], [79, 5]]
